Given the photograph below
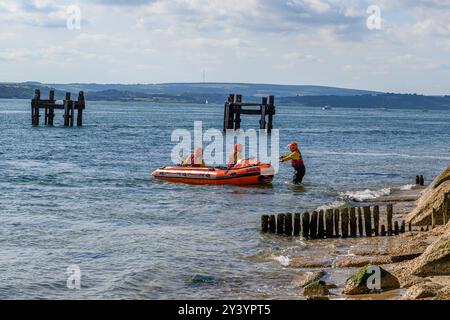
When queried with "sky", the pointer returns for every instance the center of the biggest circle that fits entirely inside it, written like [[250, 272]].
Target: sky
[[386, 45]]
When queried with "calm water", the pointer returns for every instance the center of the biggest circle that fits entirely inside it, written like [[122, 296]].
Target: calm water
[[83, 197]]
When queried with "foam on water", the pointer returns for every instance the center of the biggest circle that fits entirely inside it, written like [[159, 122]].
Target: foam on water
[[407, 187], [364, 195]]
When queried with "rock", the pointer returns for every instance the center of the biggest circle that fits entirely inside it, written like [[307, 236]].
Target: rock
[[358, 262], [310, 277], [408, 281], [303, 263], [405, 257], [316, 289], [432, 197], [200, 279], [422, 291], [317, 298], [444, 294], [358, 283], [435, 261]]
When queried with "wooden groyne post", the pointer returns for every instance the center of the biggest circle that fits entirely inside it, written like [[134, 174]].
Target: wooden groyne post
[[353, 226], [49, 105], [389, 214], [234, 108], [368, 221], [353, 222]]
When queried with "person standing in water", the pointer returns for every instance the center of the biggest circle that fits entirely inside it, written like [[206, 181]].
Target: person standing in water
[[297, 162]]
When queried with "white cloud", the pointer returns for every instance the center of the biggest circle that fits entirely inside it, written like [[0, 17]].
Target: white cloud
[[310, 41]]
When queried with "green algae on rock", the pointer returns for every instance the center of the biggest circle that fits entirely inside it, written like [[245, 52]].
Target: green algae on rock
[[357, 284]]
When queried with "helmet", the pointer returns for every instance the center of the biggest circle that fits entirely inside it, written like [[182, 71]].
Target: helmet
[[293, 146]]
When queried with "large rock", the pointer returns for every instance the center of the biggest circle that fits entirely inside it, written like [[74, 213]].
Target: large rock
[[358, 262], [358, 283], [316, 289], [310, 277], [435, 261], [432, 197], [423, 291]]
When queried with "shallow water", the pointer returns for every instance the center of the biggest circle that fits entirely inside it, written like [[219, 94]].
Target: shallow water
[[82, 196]]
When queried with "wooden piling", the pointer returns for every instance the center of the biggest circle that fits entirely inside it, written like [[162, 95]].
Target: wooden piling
[[383, 230], [67, 110], [403, 227], [376, 220], [262, 122], [422, 181], [81, 106], [329, 223], [353, 224], [72, 112], [336, 222], [410, 226], [417, 180], [297, 224], [368, 221], [280, 224], [288, 224], [320, 225], [35, 107], [305, 224], [271, 113], [344, 222], [389, 213], [264, 223], [272, 224], [313, 225], [396, 228], [360, 222]]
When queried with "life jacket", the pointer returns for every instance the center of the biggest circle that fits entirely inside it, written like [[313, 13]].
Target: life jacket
[[193, 163], [298, 162]]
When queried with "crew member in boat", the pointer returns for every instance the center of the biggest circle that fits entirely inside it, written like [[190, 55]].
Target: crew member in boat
[[236, 157], [297, 162], [195, 159]]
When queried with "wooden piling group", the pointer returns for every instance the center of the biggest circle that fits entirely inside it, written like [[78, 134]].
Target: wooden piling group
[[420, 181], [234, 109], [346, 222], [49, 105]]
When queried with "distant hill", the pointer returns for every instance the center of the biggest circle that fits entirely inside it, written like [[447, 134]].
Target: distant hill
[[217, 93]]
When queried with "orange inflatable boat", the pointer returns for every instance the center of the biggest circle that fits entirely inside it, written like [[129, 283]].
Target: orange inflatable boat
[[245, 173]]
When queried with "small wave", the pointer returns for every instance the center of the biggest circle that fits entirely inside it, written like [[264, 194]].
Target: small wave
[[332, 205], [380, 154], [407, 187], [364, 195], [283, 260]]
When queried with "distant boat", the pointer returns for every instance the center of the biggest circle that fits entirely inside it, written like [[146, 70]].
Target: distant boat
[[327, 107], [206, 101], [424, 109]]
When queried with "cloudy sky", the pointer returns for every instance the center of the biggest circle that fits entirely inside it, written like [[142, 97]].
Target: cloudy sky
[[321, 42]]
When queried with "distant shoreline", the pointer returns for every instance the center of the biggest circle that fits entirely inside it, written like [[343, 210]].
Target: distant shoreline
[[209, 93]]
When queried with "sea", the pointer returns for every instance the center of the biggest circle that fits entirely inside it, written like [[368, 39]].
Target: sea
[[81, 217]]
